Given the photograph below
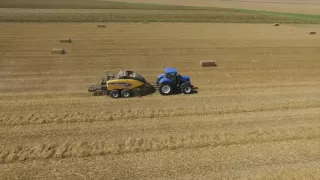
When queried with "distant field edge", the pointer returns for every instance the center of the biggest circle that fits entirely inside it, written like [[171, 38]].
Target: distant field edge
[[94, 11], [92, 4]]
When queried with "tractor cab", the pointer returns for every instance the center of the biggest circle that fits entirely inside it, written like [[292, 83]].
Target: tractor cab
[[170, 73], [172, 81]]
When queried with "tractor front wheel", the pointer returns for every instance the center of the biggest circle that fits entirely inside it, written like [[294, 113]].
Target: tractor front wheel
[[115, 94], [186, 89], [165, 89]]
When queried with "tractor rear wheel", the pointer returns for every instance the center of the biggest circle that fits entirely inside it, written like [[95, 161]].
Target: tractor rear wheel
[[165, 89], [126, 93], [115, 94]]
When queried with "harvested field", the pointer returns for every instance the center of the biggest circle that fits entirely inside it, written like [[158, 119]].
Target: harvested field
[[256, 115]]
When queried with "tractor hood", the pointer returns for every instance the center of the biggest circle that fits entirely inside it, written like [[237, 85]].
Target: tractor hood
[[160, 76], [185, 78]]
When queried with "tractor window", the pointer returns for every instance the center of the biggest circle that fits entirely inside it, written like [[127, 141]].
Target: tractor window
[[170, 75]]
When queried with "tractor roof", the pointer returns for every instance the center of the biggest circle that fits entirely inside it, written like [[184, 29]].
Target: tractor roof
[[170, 70]]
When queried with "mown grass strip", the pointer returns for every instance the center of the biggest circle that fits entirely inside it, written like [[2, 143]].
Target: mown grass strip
[[282, 14], [91, 148], [121, 15], [92, 4]]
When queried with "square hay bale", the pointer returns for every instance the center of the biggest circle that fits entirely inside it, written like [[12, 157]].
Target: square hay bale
[[101, 26], [313, 33], [277, 24], [206, 63], [58, 51], [65, 41]]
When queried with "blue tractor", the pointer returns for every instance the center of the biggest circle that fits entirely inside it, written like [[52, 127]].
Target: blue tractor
[[173, 82]]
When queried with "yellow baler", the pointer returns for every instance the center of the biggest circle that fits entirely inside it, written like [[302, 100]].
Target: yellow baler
[[125, 84]]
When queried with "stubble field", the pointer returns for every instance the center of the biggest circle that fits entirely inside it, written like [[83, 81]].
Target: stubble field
[[256, 114]]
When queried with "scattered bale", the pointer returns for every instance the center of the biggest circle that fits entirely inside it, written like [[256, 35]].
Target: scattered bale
[[58, 51], [207, 63], [313, 33], [277, 24], [101, 26], [65, 41]]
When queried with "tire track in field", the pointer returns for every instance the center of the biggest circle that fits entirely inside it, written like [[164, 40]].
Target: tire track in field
[[135, 145], [132, 114]]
